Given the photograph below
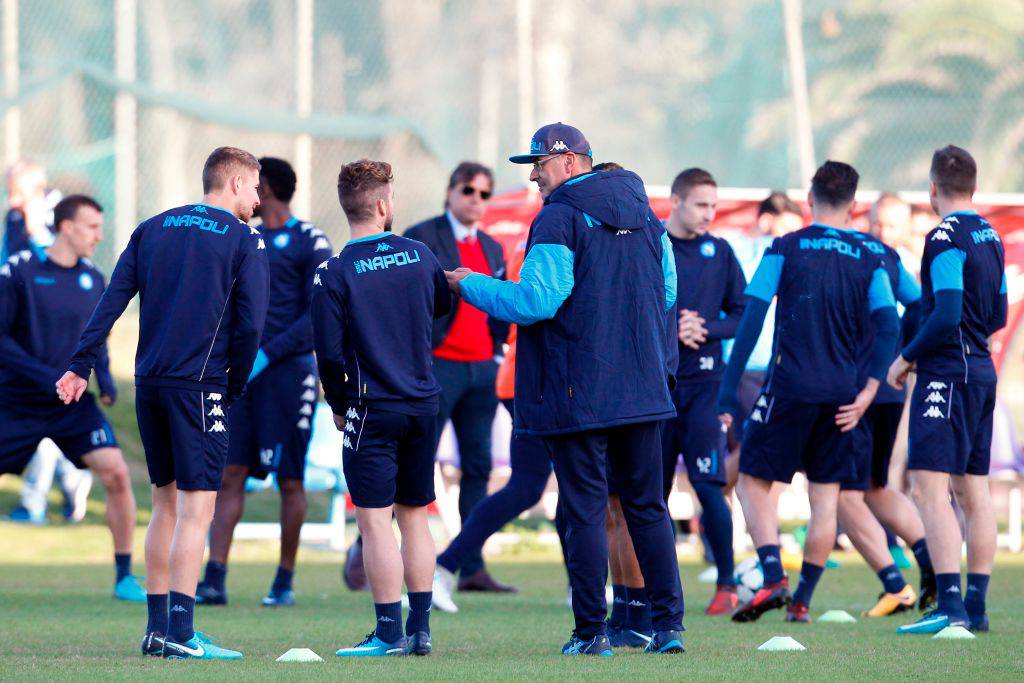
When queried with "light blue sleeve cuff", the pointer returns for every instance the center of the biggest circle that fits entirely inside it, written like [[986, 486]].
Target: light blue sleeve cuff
[[668, 268], [545, 282], [947, 270], [765, 283], [880, 291], [259, 365], [907, 289], [1002, 287]]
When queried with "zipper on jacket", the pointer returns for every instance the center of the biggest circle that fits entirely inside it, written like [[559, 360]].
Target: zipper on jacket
[[570, 391]]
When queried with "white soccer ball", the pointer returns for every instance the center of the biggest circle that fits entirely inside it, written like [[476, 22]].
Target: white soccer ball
[[749, 578]]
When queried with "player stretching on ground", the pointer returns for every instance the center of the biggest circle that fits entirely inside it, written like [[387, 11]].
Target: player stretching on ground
[[46, 298], [373, 309], [826, 283], [201, 276], [271, 423], [963, 303], [866, 501]]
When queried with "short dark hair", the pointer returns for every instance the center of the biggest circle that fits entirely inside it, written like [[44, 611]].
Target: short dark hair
[[67, 208], [954, 171], [835, 184], [223, 163], [608, 166], [689, 179], [466, 171], [359, 187], [279, 176], [778, 203]]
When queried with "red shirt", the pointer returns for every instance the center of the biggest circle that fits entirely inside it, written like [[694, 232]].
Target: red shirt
[[469, 338]]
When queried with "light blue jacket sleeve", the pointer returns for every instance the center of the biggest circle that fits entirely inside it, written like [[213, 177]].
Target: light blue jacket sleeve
[[880, 291], [765, 283], [947, 270], [668, 268], [545, 282], [907, 289]]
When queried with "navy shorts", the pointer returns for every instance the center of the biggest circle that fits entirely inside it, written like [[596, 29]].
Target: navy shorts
[[272, 423], [951, 426], [185, 436], [77, 429], [388, 457], [784, 436], [874, 438], [696, 433]]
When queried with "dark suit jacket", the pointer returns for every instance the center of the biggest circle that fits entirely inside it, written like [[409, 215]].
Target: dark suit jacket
[[437, 234]]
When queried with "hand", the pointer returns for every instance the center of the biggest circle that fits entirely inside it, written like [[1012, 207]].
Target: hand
[[849, 415], [107, 400], [339, 422], [725, 419], [457, 276], [70, 387], [692, 332], [898, 372]]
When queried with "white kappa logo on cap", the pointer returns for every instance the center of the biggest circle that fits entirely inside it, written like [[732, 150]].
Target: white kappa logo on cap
[[559, 146]]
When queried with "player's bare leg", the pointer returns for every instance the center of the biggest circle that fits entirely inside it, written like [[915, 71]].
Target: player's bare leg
[[228, 511], [868, 537], [975, 498], [759, 500]]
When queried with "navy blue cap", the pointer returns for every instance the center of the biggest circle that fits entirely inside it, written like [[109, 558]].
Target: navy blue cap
[[554, 138]]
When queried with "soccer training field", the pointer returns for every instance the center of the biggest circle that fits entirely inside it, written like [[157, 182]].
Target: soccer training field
[[60, 623]]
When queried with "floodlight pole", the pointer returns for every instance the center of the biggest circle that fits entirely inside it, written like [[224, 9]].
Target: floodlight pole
[[792, 13], [12, 72], [302, 201], [126, 130], [524, 64]]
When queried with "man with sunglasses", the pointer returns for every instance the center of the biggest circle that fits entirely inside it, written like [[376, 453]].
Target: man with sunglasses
[[468, 345]]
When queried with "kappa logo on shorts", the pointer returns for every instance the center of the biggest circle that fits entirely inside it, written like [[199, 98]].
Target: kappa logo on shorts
[[351, 414], [217, 426], [213, 397], [349, 427], [756, 416], [310, 381], [933, 411], [306, 409], [762, 402], [347, 442], [303, 423], [935, 397], [308, 395], [216, 411], [933, 386]]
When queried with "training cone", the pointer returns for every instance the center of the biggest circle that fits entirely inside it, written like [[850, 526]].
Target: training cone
[[781, 644], [836, 616], [709, 575], [953, 633], [299, 654]]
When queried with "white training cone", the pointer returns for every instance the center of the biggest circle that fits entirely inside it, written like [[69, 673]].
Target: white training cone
[[836, 616], [709, 575], [299, 654], [954, 633], [781, 644]]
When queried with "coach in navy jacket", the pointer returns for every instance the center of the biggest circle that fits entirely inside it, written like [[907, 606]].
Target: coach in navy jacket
[[591, 376]]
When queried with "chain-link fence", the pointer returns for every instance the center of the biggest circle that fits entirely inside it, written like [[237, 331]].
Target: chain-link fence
[[150, 86]]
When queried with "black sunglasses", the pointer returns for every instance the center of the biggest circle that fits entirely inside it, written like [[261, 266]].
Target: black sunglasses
[[468, 190]]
